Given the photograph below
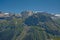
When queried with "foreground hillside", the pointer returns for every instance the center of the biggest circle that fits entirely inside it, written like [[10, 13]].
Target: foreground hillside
[[30, 26]]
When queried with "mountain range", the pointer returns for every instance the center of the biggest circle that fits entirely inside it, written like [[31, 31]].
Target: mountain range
[[30, 25]]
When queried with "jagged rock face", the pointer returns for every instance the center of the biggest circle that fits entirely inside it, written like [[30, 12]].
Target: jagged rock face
[[36, 18], [26, 14], [31, 21]]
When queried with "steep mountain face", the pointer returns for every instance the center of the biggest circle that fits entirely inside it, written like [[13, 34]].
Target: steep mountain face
[[30, 26], [36, 18], [26, 14], [42, 20]]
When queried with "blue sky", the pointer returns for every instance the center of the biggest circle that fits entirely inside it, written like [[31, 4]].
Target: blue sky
[[52, 6]]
